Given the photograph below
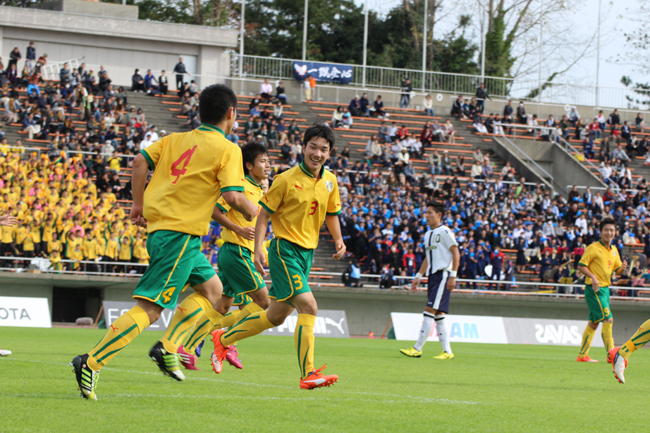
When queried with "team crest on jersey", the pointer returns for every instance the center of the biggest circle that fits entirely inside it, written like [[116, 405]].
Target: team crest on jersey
[[329, 185]]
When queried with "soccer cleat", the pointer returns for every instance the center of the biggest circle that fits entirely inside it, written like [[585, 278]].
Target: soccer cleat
[[199, 347], [5, 352], [444, 355], [619, 363], [187, 359], [585, 359], [411, 352], [220, 352], [166, 361], [316, 379], [233, 357], [86, 377]]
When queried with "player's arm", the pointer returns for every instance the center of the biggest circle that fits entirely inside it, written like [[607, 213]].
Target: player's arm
[[138, 181], [621, 266], [455, 262], [334, 227], [594, 279], [238, 201], [260, 235], [220, 216], [418, 276]]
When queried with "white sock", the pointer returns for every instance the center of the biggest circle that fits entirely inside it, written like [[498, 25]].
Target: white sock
[[425, 331], [442, 333]]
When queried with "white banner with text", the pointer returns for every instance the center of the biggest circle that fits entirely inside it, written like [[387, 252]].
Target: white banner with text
[[25, 312]]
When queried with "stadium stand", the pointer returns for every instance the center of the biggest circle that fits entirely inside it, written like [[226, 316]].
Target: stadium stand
[[389, 163]]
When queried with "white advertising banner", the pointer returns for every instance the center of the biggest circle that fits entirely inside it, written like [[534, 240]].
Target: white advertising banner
[[25, 312], [462, 329], [502, 330]]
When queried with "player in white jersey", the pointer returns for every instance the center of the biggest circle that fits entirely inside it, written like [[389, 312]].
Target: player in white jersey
[[440, 264]]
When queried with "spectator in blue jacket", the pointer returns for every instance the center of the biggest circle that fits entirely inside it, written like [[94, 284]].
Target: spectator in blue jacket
[[588, 148], [364, 103]]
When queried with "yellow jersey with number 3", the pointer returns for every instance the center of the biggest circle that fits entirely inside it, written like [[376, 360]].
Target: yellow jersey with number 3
[[253, 193], [602, 261], [298, 204], [191, 170]]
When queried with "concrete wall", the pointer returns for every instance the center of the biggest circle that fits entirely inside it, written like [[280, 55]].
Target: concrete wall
[[90, 8], [121, 45], [519, 162], [366, 309]]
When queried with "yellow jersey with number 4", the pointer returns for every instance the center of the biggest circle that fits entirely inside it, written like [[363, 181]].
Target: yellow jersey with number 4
[[253, 193], [298, 204], [191, 170], [602, 261]]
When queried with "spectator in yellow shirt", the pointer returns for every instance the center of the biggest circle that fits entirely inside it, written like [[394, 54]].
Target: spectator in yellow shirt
[[77, 255], [55, 262]]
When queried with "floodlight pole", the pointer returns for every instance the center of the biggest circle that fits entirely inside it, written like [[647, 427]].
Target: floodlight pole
[[598, 60], [241, 39], [365, 43], [304, 32], [424, 45], [541, 49]]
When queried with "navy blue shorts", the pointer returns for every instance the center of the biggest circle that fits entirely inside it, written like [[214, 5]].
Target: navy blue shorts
[[437, 292]]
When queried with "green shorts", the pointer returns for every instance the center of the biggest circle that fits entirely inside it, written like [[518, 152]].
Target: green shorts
[[290, 265], [242, 300], [237, 271], [598, 304], [176, 260]]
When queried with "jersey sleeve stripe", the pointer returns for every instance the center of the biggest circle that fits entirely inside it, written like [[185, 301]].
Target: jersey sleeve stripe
[[266, 207], [232, 188], [338, 212], [221, 208], [144, 153], [582, 264]]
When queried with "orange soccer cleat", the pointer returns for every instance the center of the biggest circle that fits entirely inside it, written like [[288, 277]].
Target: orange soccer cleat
[[219, 353], [618, 363], [316, 379], [585, 359]]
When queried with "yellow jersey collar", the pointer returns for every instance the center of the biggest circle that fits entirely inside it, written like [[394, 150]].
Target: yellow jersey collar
[[211, 128], [251, 180], [305, 170], [601, 242]]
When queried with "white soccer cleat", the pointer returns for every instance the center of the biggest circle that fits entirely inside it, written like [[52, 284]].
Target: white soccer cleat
[[619, 363], [5, 352]]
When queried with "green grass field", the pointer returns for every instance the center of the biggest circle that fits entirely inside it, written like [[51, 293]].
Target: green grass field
[[486, 388]]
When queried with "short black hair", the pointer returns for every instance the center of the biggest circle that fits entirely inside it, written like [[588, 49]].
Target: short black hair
[[214, 103], [251, 151], [437, 206], [606, 221], [319, 131]]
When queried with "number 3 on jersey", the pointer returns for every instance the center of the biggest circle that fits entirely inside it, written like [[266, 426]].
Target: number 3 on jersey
[[184, 159]]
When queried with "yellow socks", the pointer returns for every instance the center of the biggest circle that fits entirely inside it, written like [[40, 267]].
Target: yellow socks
[[303, 338], [640, 337], [186, 316], [587, 338], [128, 326], [608, 339], [204, 327], [254, 324]]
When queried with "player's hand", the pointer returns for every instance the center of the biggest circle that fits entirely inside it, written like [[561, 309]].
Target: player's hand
[[8, 220], [340, 250], [414, 284], [451, 284], [624, 266], [136, 216], [247, 233], [260, 261], [595, 285]]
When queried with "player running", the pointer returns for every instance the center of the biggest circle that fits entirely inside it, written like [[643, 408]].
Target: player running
[[619, 356], [441, 264], [9, 221], [598, 263], [236, 269], [191, 171], [298, 202]]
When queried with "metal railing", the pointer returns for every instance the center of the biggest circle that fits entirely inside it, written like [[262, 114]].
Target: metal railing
[[51, 70], [433, 81], [477, 286]]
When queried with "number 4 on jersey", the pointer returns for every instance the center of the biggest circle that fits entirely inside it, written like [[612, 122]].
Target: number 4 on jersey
[[185, 159]]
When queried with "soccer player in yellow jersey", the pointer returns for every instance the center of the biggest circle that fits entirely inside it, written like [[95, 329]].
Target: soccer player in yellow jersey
[[620, 355], [298, 203], [191, 171], [235, 260], [599, 261]]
